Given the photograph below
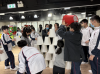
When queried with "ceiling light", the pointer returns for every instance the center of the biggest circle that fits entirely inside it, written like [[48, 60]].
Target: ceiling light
[[21, 12], [22, 17], [89, 14], [67, 8], [50, 15], [2, 13], [83, 13], [35, 16], [69, 14], [10, 18]]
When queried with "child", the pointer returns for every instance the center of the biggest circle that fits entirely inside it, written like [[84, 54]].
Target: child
[[31, 60], [59, 63], [86, 32], [72, 49], [45, 32], [94, 45], [33, 37], [7, 45], [25, 35]]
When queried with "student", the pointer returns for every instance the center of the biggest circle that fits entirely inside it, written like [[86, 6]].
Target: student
[[18, 32], [50, 26], [86, 34], [94, 45], [33, 37], [25, 35], [40, 30], [7, 45], [45, 32], [59, 63], [56, 26], [31, 60], [72, 49]]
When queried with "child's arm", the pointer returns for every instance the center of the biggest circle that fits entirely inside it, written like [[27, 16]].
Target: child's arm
[[5, 39], [62, 31], [32, 38], [21, 65], [1, 51]]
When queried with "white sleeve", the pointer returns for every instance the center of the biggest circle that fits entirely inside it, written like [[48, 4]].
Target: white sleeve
[[22, 64], [91, 30]]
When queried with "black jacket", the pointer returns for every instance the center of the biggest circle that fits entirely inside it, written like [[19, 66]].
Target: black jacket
[[44, 34], [72, 50]]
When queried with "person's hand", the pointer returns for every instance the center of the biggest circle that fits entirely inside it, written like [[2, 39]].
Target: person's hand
[[91, 57], [63, 22], [35, 38], [14, 39], [48, 33], [1, 51], [87, 42]]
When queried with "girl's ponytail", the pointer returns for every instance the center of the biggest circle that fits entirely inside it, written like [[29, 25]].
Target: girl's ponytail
[[60, 44]]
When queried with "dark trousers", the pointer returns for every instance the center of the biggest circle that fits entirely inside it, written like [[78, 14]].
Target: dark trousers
[[59, 70], [75, 69], [13, 43], [10, 59], [95, 65], [86, 53]]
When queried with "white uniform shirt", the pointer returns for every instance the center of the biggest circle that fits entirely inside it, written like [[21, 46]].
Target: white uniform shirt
[[35, 59], [34, 36], [6, 42], [93, 39], [86, 35]]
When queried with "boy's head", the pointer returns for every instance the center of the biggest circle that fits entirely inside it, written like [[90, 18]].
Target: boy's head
[[95, 20], [5, 29], [75, 26], [84, 23], [47, 27], [21, 43]]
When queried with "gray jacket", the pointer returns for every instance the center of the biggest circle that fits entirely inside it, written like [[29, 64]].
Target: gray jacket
[[27, 40], [73, 50], [59, 59]]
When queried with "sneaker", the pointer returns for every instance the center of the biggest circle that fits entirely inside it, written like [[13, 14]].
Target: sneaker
[[14, 68], [7, 67], [90, 71], [14, 46], [84, 63]]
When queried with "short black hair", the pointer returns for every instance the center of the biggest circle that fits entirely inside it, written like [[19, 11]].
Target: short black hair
[[33, 28], [95, 17], [85, 21], [5, 27], [57, 24], [26, 29], [46, 25], [22, 43], [76, 26], [50, 26]]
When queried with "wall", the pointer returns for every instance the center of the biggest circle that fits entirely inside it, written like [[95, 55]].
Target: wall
[[2, 24]]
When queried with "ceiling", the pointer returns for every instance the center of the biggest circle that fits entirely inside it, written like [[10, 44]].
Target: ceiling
[[42, 14], [44, 4]]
